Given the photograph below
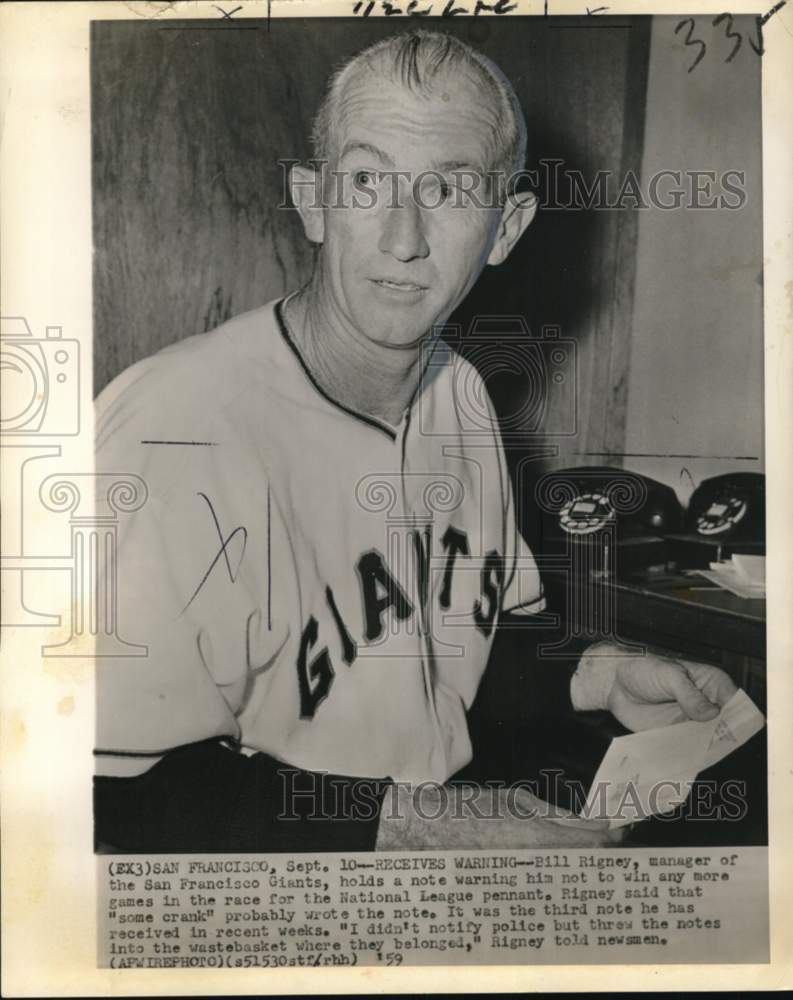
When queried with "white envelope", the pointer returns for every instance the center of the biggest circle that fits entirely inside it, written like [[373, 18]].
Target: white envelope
[[650, 772]]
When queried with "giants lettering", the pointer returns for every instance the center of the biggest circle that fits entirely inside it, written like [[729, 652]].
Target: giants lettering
[[319, 671], [492, 582], [380, 592], [453, 541]]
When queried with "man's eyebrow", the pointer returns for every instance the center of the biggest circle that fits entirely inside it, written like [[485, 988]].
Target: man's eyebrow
[[367, 147], [448, 165]]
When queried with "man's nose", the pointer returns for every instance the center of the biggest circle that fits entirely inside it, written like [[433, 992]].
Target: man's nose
[[403, 231]]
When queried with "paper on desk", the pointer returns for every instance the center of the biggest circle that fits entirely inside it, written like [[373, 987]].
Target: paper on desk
[[750, 568], [743, 576], [651, 772]]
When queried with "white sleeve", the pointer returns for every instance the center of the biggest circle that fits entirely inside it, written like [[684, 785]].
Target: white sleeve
[[523, 592], [182, 587]]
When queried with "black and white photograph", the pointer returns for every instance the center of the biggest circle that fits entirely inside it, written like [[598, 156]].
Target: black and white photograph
[[376, 339], [417, 549]]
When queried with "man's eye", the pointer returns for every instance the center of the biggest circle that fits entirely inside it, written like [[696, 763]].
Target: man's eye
[[365, 178], [438, 190]]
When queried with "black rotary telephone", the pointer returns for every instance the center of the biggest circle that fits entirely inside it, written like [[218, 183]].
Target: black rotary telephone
[[579, 505], [730, 506], [726, 515]]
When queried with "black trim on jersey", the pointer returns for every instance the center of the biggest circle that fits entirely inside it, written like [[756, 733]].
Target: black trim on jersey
[[372, 421], [517, 608], [146, 754]]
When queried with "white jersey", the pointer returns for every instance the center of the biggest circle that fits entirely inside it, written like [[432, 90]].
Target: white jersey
[[307, 580]]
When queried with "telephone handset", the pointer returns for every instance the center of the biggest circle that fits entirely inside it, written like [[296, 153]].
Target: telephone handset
[[599, 506], [584, 500], [726, 515], [729, 506]]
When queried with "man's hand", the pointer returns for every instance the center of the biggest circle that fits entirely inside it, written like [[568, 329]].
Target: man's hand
[[445, 817], [645, 692]]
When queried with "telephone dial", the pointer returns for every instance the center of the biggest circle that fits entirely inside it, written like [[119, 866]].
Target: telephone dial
[[730, 506], [725, 514], [585, 514], [578, 505]]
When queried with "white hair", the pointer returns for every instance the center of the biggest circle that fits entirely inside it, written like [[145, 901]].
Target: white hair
[[414, 58]]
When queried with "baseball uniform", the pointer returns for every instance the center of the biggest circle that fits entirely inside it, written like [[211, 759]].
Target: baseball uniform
[[308, 580]]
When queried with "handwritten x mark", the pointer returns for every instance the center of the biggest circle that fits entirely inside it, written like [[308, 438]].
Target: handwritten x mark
[[227, 14], [223, 551]]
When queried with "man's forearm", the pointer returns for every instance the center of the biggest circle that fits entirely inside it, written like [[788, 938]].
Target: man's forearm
[[473, 817]]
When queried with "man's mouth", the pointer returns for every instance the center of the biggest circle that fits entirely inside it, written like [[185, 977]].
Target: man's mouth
[[399, 286]]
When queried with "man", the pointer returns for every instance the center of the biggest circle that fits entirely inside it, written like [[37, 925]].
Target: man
[[326, 556]]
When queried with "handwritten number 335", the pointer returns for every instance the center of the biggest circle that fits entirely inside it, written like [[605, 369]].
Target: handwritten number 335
[[734, 36]]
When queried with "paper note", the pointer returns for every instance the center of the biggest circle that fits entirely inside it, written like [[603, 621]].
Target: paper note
[[751, 569], [651, 772], [743, 576]]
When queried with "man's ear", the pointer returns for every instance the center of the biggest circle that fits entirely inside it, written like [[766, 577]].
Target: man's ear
[[518, 212], [305, 186]]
